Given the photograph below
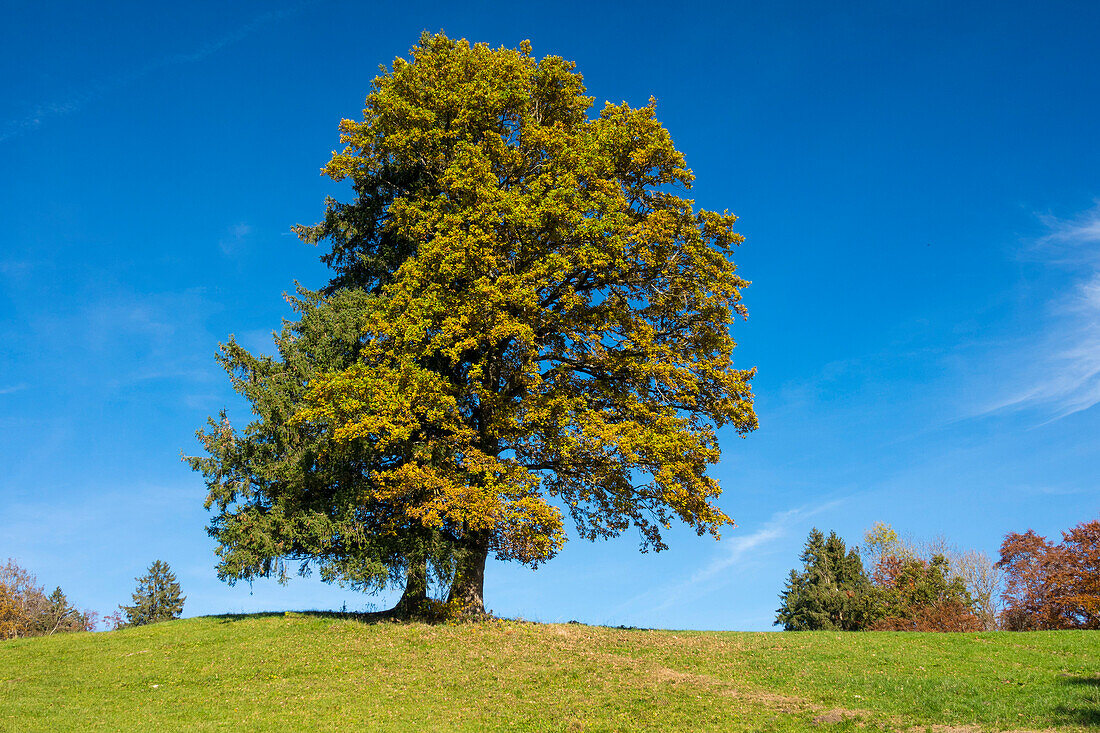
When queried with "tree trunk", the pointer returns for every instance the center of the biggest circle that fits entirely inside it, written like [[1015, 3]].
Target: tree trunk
[[468, 587], [416, 589]]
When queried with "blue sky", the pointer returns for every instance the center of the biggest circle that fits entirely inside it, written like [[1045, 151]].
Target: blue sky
[[919, 185]]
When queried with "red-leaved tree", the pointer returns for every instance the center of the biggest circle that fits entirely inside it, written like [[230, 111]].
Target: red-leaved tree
[[1051, 586]]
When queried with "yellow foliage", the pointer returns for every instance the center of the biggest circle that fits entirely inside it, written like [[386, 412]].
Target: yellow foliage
[[559, 330]]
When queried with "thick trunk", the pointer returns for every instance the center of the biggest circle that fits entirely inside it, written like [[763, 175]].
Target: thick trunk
[[413, 600], [468, 588]]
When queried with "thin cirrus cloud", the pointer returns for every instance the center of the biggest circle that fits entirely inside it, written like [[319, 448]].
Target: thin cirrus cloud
[[1064, 376], [234, 238], [79, 99], [732, 551]]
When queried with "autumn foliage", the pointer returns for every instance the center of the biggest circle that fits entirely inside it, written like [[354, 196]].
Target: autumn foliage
[[922, 595], [541, 332], [1052, 586], [26, 610]]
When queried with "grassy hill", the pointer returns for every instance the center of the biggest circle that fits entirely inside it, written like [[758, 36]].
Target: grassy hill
[[321, 672]]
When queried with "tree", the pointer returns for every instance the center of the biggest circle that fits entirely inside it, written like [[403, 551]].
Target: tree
[[61, 616], [831, 592], [984, 581], [1052, 586], [1028, 560], [544, 325], [881, 542], [22, 602], [913, 594], [157, 597], [1080, 574]]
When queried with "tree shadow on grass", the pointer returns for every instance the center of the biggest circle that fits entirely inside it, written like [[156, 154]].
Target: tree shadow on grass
[[1077, 680], [1088, 712], [365, 617]]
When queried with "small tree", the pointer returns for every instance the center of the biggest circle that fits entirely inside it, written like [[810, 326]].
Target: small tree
[[60, 616], [831, 592], [157, 597]]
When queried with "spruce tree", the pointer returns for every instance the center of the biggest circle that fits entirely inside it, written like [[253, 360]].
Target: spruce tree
[[60, 615], [157, 597], [832, 592], [287, 493]]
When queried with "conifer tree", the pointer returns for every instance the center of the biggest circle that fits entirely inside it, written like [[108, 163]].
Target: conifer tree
[[286, 492], [156, 598], [831, 593], [61, 616]]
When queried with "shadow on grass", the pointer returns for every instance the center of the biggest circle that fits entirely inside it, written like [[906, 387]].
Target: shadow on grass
[[1088, 713], [1069, 679], [1087, 716], [379, 617], [365, 617]]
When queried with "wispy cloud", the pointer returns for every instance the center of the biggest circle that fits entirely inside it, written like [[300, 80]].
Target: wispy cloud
[[732, 551], [12, 388], [1074, 232], [78, 99], [123, 338], [234, 238], [1061, 365]]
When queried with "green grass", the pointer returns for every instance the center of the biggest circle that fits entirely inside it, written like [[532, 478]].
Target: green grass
[[321, 672]]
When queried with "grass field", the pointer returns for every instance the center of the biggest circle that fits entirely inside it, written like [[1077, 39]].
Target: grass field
[[322, 672]]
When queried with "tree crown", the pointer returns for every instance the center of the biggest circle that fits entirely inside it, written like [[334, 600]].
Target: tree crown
[[552, 320], [526, 319]]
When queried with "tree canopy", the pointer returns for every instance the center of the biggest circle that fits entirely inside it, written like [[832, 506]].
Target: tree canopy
[[543, 328], [1052, 586], [914, 594]]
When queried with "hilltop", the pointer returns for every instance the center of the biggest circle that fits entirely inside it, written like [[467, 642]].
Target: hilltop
[[327, 672]]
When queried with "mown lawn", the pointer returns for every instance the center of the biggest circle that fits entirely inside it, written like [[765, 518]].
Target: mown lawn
[[322, 672]]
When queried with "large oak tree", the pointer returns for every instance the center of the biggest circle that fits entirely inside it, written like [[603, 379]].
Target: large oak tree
[[544, 327]]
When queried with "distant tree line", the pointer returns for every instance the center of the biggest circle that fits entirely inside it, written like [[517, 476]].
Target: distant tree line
[[26, 610], [933, 586]]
